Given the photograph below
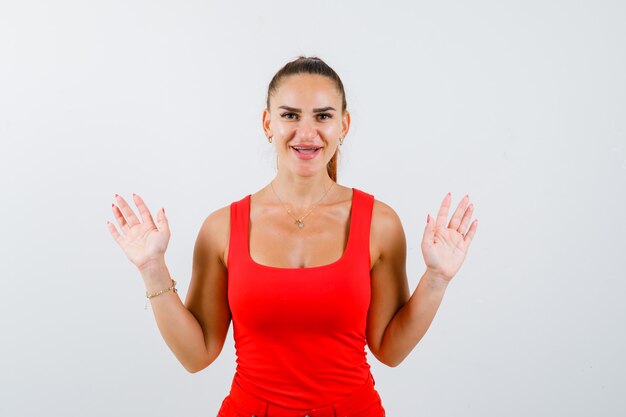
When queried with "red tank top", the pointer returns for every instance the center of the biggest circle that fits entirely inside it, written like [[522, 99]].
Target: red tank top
[[300, 332]]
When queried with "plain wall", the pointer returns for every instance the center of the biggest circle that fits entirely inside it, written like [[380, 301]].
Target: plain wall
[[520, 104]]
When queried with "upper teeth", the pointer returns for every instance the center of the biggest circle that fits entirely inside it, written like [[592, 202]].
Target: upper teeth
[[302, 147]]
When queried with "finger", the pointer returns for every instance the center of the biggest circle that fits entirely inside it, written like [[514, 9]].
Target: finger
[[461, 209], [116, 235], [470, 233], [162, 221], [119, 217], [429, 230], [442, 215], [143, 209], [131, 219], [466, 219]]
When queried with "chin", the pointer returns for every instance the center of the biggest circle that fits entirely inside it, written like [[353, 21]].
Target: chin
[[307, 172]]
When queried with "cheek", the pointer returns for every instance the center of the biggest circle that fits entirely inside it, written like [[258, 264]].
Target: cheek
[[284, 130], [332, 129]]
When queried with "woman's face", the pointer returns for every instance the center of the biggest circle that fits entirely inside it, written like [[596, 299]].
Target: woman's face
[[305, 112]]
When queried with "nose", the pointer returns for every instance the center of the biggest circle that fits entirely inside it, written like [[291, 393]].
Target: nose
[[306, 130]]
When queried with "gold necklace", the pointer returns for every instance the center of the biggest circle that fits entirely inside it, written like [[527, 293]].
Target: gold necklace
[[299, 221]]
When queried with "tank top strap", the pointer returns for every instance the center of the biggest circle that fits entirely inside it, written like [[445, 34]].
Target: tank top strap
[[239, 218], [362, 212]]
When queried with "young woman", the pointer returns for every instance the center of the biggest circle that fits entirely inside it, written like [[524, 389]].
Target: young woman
[[308, 270]]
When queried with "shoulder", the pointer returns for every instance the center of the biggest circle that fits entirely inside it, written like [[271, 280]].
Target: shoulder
[[387, 233], [217, 219], [383, 215], [214, 233], [385, 220]]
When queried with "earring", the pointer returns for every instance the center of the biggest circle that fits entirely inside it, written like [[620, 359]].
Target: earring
[[269, 138], [340, 141]]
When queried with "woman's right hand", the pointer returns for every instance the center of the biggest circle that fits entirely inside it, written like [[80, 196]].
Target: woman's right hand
[[141, 242]]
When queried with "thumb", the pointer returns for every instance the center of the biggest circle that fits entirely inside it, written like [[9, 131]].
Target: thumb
[[429, 229], [162, 222]]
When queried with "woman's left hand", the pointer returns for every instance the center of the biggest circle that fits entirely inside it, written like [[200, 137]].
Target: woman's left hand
[[444, 247]]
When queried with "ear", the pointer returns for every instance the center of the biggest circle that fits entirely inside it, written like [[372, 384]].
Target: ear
[[345, 123], [266, 122]]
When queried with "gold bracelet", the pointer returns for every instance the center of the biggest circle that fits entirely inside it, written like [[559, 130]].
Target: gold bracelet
[[154, 294]]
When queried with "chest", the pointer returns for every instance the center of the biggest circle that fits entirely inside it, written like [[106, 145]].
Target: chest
[[271, 292], [279, 242], [281, 276]]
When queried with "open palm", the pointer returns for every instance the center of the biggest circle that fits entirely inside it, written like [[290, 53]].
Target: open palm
[[444, 247], [141, 242]]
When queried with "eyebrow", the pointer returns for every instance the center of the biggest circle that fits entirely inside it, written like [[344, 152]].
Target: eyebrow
[[293, 109]]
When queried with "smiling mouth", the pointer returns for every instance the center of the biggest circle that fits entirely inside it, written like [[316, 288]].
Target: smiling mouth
[[306, 151]]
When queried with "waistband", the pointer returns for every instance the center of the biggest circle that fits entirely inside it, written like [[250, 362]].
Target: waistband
[[251, 406]]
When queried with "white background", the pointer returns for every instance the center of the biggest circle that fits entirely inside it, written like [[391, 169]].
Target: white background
[[520, 104]]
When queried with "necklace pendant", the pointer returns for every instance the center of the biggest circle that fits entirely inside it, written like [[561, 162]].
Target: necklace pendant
[[300, 223]]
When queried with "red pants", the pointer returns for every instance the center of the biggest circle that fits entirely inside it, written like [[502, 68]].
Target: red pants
[[364, 402]]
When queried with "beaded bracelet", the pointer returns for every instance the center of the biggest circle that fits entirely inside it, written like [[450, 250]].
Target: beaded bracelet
[[154, 294]]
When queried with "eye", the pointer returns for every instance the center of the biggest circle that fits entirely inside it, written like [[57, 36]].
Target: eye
[[286, 114], [328, 115]]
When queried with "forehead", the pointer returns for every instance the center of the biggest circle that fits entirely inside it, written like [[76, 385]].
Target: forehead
[[308, 90]]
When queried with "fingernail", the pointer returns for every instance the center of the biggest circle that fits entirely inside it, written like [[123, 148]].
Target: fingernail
[[428, 218]]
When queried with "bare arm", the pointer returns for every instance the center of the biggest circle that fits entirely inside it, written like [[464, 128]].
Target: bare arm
[[412, 320], [397, 320], [195, 331], [180, 329]]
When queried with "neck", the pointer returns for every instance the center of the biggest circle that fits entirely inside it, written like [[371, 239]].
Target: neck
[[301, 192]]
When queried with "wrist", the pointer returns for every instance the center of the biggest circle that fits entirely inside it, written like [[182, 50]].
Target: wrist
[[152, 264], [155, 273], [151, 294], [436, 279]]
